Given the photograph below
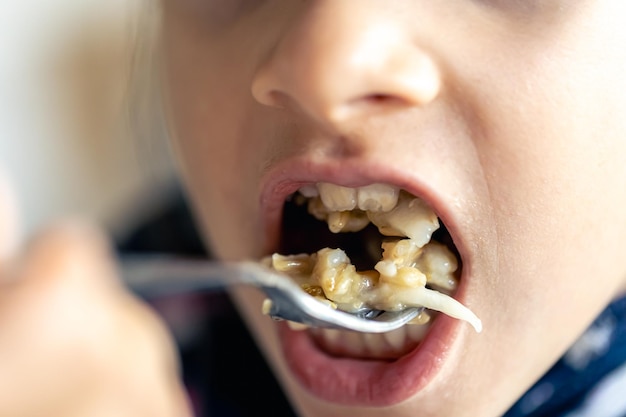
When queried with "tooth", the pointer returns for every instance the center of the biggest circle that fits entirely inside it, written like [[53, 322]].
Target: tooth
[[297, 326], [336, 197], [416, 332], [299, 264], [347, 221], [337, 220], [396, 338], [411, 218], [439, 264], [386, 268], [331, 335], [354, 342], [309, 191], [421, 319], [377, 197], [375, 343]]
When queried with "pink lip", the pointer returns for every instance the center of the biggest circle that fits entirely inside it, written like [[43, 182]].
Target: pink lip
[[352, 381]]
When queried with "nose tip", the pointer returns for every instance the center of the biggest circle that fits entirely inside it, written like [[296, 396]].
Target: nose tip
[[343, 71]]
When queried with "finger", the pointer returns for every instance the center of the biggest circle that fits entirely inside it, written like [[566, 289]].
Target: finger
[[70, 254], [156, 369], [48, 318], [65, 268], [73, 332], [71, 265]]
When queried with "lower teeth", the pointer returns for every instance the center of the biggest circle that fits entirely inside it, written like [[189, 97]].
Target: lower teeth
[[389, 345]]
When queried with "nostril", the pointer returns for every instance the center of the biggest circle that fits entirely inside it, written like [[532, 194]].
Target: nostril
[[379, 98], [383, 100], [275, 99], [369, 104]]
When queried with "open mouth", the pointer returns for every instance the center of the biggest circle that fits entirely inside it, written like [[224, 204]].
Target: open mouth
[[372, 247]]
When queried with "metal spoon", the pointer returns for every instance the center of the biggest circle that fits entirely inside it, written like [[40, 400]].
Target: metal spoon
[[159, 276]]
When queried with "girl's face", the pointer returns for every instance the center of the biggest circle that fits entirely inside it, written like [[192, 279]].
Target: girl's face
[[506, 116]]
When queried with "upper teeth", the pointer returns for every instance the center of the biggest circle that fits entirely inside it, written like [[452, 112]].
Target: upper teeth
[[395, 213], [373, 198], [411, 218], [336, 197]]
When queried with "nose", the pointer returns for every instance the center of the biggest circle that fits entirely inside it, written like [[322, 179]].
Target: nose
[[341, 60]]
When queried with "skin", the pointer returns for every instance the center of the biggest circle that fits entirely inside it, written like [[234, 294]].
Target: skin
[[509, 114]]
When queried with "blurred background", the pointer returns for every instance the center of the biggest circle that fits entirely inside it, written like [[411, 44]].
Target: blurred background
[[66, 138]]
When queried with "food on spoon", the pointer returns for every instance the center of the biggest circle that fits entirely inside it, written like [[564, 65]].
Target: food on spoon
[[414, 271]]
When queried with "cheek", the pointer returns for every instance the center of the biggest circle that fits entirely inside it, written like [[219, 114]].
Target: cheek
[[552, 148], [558, 166], [551, 139], [222, 177], [215, 126]]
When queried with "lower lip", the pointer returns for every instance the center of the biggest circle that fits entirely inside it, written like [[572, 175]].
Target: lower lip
[[373, 383]]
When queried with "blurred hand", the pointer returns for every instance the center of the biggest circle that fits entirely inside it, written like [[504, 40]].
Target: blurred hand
[[73, 342]]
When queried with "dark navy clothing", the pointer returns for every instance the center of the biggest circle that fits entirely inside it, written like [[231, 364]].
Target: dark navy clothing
[[226, 375]]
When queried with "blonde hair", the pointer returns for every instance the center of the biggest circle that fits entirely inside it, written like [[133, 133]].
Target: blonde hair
[[145, 109]]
